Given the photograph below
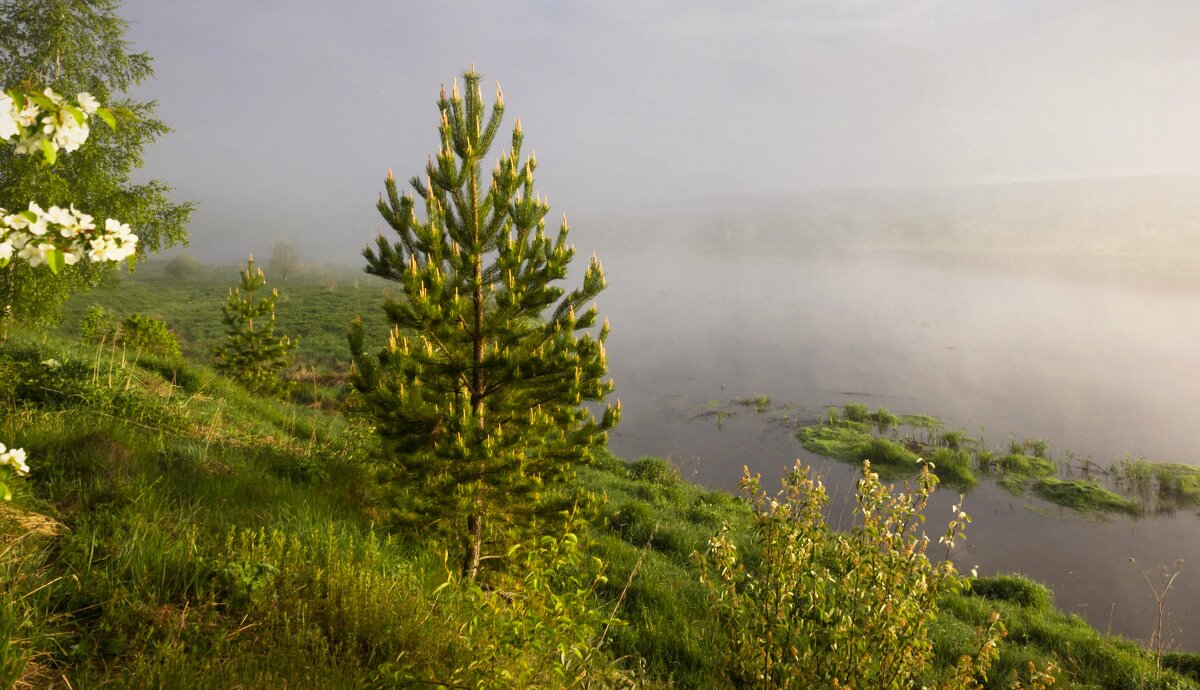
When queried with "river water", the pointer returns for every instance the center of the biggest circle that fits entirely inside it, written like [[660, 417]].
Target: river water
[[1102, 363]]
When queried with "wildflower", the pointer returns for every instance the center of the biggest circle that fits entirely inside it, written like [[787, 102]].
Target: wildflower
[[15, 458]]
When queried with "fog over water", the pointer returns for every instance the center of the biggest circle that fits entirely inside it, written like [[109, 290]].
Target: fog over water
[[1096, 368]]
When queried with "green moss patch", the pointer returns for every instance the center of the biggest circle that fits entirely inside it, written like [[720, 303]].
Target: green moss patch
[[921, 421], [1082, 495], [1027, 465], [843, 441]]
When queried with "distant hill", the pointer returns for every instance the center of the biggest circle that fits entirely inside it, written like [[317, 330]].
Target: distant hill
[[1134, 216]]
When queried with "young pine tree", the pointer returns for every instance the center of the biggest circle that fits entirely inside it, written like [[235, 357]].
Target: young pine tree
[[478, 397], [252, 353]]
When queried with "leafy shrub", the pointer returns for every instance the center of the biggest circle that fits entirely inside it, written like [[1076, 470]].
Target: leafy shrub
[[246, 585], [823, 608], [183, 267], [98, 325], [149, 335]]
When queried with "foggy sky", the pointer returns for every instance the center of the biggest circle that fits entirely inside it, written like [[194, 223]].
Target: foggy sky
[[287, 115]]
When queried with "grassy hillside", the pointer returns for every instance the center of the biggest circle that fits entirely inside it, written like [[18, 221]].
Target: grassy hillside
[[178, 532], [316, 304]]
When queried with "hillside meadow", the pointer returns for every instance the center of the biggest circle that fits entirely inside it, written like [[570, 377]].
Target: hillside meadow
[[176, 531]]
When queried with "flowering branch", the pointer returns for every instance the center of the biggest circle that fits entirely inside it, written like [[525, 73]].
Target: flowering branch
[[47, 123]]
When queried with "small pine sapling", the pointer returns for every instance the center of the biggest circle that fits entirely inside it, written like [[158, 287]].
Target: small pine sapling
[[252, 353]]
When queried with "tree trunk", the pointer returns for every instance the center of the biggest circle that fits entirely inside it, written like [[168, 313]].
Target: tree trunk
[[474, 547]]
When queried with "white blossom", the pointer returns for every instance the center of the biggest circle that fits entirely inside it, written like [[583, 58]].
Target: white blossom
[[15, 458], [87, 102]]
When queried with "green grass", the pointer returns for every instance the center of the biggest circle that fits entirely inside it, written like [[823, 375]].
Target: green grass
[[857, 434], [1015, 589], [843, 441], [1083, 495], [317, 305], [954, 467], [178, 532], [921, 421], [1026, 465], [854, 442], [1178, 484]]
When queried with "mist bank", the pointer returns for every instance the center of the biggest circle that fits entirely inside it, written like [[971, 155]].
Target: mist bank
[[1148, 223], [1132, 217]]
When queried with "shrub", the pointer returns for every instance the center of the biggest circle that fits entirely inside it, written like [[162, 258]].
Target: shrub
[[97, 325], [149, 335], [183, 267], [822, 608]]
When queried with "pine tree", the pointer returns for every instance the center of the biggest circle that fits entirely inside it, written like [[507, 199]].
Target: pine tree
[[252, 353], [478, 397]]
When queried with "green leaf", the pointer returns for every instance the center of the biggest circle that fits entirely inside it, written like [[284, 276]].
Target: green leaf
[[49, 152], [55, 260], [43, 101], [106, 115], [75, 113], [6, 491]]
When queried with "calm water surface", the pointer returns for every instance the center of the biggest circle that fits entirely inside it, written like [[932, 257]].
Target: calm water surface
[[1098, 365]]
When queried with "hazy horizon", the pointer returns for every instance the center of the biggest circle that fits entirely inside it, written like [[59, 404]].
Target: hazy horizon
[[287, 116]]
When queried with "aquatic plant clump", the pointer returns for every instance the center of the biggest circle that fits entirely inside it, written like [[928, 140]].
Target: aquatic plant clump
[[843, 440], [896, 444], [953, 467], [1083, 495]]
